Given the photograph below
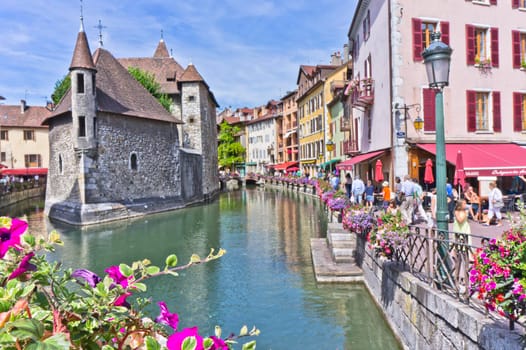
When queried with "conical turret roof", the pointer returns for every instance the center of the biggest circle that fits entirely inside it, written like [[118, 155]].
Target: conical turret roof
[[161, 51], [191, 74], [82, 54]]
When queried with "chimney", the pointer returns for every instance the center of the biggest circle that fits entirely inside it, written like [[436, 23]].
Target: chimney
[[336, 60], [345, 53], [22, 106]]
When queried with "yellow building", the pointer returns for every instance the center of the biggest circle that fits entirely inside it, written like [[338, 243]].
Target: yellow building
[[312, 116], [24, 143]]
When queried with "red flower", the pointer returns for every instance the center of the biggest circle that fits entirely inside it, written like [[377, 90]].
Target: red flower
[[500, 298]]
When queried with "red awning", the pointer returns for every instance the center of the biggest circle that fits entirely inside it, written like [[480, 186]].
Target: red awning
[[487, 159], [348, 164], [283, 166], [24, 171]]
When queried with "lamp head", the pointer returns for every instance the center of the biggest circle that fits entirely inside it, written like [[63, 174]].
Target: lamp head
[[437, 59]]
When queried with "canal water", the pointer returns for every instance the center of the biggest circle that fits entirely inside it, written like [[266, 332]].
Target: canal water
[[266, 278]]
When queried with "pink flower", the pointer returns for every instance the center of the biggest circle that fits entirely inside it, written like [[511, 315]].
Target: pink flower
[[10, 237], [175, 341], [121, 300], [23, 267], [115, 273], [166, 317], [219, 344]]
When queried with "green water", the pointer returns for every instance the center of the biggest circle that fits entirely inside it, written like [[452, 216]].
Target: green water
[[265, 279]]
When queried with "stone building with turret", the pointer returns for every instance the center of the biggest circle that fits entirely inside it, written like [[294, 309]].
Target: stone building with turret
[[115, 152]]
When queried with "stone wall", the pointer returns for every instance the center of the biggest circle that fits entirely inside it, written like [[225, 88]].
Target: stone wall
[[109, 174], [8, 199], [424, 318]]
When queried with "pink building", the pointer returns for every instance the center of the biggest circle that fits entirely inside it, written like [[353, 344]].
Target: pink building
[[484, 104]]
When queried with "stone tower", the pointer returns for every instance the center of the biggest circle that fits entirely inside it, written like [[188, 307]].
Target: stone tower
[[199, 132]]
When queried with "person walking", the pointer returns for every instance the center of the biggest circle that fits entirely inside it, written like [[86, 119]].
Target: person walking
[[495, 204], [418, 195], [386, 193], [358, 188], [348, 184], [398, 190], [407, 206]]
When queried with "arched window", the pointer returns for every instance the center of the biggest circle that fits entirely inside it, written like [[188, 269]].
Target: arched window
[[60, 168], [133, 161]]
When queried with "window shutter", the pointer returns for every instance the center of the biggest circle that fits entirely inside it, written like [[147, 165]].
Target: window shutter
[[429, 110], [470, 44], [471, 110], [444, 28], [493, 2], [417, 40], [497, 127], [494, 47], [517, 111], [516, 44], [515, 4]]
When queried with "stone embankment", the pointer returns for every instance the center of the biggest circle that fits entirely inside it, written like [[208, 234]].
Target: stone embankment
[[11, 198]]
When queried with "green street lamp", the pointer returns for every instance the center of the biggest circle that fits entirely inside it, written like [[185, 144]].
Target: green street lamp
[[437, 60], [330, 148]]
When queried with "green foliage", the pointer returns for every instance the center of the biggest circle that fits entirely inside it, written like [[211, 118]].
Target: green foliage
[[229, 151], [61, 87], [147, 80], [45, 307]]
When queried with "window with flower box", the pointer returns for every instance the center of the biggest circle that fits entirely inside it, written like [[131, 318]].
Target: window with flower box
[[32, 160], [482, 45], [483, 111], [519, 111], [519, 49], [422, 31]]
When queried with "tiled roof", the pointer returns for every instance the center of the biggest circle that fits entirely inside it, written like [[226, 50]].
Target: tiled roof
[[12, 116], [161, 51], [82, 54], [191, 74], [119, 93]]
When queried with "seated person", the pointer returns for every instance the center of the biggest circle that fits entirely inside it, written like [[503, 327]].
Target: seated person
[[472, 201], [392, 208]]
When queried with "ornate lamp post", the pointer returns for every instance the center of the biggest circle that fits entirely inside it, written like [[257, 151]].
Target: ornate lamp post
[[437, 59], [330, 148]]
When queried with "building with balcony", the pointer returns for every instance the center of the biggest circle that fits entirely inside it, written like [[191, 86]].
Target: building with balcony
[[290, 128], [484, 104]]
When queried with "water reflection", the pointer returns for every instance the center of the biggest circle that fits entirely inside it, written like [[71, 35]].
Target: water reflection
[[266, 277]]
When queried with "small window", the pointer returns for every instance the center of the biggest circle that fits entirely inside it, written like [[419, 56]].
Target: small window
[[32, 160], [191, 120], [519, 112], [80, 83], [482, 111], [3, 157], [4, 136], [191, 98], [82, 126], [133, 161], [95, 127], [60, 167], [29, 135]]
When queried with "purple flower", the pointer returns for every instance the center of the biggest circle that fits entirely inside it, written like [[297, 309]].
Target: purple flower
[[115, 273], [166, 317], [10, 237], [89, 277], [176, 340], [23, 267]]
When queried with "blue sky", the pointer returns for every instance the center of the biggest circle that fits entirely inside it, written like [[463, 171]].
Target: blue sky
[[248, 51]]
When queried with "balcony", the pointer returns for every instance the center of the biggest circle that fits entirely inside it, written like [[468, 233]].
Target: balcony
[[337, 85], [350, 147], [363, 93]]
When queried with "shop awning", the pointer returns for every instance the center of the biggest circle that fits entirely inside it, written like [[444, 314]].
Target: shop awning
[[348, 164], [330, 162], [283, 166], [251, 164], [24, 171], [485, 159]]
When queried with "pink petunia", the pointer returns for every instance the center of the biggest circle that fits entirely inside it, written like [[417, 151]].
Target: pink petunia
[[121, 300], [23, 267], [10, 237], [166, 317], [115, 273], [175, 341]]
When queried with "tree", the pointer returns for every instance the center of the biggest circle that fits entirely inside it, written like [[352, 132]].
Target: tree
[[229, 150], [61, 87], [147, 80]]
